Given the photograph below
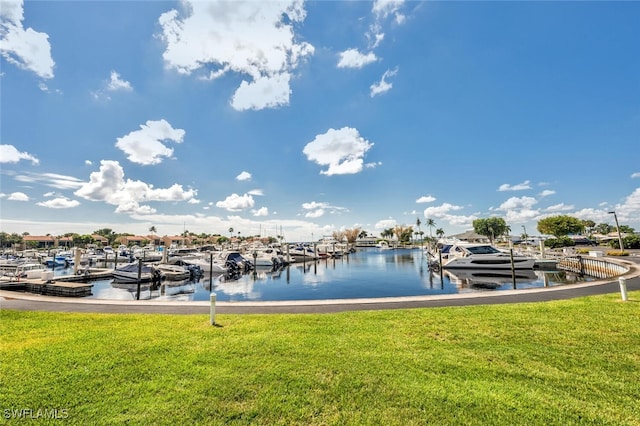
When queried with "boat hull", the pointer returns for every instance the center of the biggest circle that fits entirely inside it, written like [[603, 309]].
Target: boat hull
[[490, 262]]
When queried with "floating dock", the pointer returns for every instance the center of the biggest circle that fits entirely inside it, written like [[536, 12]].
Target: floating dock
[[65, 285]]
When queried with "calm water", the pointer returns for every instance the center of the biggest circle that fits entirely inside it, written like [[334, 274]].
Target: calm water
[[367, 273]]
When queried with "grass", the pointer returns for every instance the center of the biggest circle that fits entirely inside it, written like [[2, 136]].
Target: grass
[[564, 363]]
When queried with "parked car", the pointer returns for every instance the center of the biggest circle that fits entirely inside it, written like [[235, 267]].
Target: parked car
[[584, 241]]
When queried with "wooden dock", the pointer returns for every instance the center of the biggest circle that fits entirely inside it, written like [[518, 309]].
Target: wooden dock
[[66, 285]]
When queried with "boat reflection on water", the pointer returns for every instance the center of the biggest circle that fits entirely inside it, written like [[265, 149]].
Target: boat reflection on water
[[488, 279]]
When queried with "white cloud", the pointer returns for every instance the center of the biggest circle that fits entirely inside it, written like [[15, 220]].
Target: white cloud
[[117, 84], [383, 86], [635, 175], [257, 192], [384, 8], [443, 213], [262, 211], [518, 203], [264, 92], [519, 209], [108, 185], [426, 199], [113, 84], [244, 176], [561, 207], [629, 211], [53, 180], [314, 214], [342, 150], [385, 224], [236, 203], [25, 48], [315, 209], [10, 154], [255, 39], [59, 203], [145, 146], [518, 187], [441, 210], [352, 58], [547, 192], [18, 196]]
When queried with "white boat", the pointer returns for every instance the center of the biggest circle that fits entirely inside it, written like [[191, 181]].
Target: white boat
[[129, 273], [173, 272], [302, 253], [28, 270], [268, 257], [331, 250], [207, 262], [383, 245], [481, 256]]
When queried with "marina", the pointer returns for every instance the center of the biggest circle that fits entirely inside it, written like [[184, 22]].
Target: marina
[[366, 273]]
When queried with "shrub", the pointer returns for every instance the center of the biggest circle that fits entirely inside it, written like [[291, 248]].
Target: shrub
[[630, 242], [559, 242], [617, 253]]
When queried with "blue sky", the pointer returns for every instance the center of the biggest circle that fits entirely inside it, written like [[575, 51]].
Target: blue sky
[[312, 117]]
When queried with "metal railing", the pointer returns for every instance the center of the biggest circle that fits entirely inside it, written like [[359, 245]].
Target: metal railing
[[593, 267]]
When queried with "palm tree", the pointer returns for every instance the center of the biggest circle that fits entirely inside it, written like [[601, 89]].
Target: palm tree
[[153, 229], [440, 232], [431, 223], [418, 223]]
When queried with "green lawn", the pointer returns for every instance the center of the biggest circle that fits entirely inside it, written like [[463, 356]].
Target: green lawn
[[563, 363]]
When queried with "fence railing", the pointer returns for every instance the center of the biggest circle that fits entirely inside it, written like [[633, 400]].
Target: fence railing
[[593, 267]]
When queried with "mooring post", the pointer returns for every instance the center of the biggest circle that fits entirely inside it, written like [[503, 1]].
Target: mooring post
[[210, 271], [623, 288], [513, 268], [139, 278]]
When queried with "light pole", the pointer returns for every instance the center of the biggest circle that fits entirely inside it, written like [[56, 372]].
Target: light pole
[[615, 216]]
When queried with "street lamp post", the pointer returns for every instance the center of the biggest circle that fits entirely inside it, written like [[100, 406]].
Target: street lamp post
[[619, 234]]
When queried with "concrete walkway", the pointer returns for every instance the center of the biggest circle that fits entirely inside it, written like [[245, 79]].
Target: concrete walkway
[[23, 301]]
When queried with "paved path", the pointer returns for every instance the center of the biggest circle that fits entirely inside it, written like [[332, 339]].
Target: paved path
[[22, 301]]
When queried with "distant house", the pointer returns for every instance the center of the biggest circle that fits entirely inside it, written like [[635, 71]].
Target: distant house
[[39, 241], [174, 240], [132, 240], [99, 239]]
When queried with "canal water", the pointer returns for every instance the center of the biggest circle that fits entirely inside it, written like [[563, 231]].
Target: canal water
[[368, 273]]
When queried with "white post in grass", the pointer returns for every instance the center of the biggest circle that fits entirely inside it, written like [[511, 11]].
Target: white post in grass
[[623, 288]]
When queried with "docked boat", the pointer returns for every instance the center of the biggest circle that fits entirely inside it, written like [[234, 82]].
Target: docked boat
[[131, 271], [29, 270], [206, 262], [481, 256], [269, 257], [301, 253], [173, 272]]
